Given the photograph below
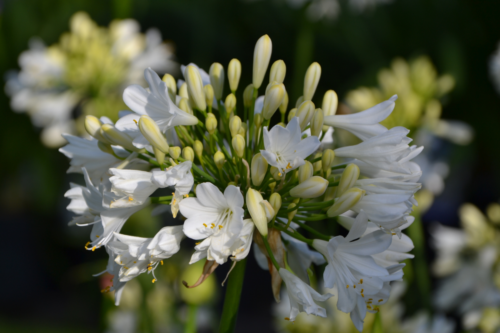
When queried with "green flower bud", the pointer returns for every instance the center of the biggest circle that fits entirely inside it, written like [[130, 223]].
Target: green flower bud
[[257, 212], [261, 57], [345, 202], [198, 149], [93, 127], [278, 71], [230, 103], [330, 103], [275, 201], [305, 113], [311, 80], [317, 165], [209, 95], [273, 99], [349, 177], [257, 119], [152, 133], [195, 87], [234, 74], [188, 154], [234, 125], [174, 152], [284, 104], [248, 96], [327, 159], [184, 105], [317, 122], [211, 123], [239, 145], [219, 159], [291, 114], [115, 137], [217, 79], [300, 100], [258, 169], [306, 171], [171, 85], [311, 188]]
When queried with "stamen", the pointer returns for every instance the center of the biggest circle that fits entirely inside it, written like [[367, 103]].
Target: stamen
[[135, 121], [220, 227], [362, 290], [96, 236], [205, 225], [130, 199], [362, 295], [361, 281], [286, 318], [380, 300], [354, 286], [135, 262], [150, 268], [125, 267], [86, 245], [93, 249], [368, 307], [154, 280], [197, 243], [186, 195], [161, 261], [347, 287]]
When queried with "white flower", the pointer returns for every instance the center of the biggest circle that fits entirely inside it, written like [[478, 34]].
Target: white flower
[[215, 217], [364, 124], [284, 148], [409, 171], [156, 103], [388, 150], [137, 255], [421, 323], [387, 186], [113, 269], [350, 265], [300, 257], [241, 247], [302, 296]]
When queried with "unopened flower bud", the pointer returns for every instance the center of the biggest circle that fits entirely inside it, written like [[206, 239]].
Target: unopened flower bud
[[234, 125], [239, 145], [311, 188], [160, 156], [349, 177], [105, 147], [219, 159], [291, 214], [330, 193], [345, 202], [276, 173], [174, 152], [258, 169], [300, 100], [188, 154], [273, 99], [195, 87], [317, 165], [198, 148], [272, 186], [257, 120], [115, 137], [242, 131], [257, 212], [278, 71], [275, 201], [284, 104], [152, 133], [327, 159], [311, 80], [234, 74], [183, 91], [211, 123], [281, 124], [330, 103], [93, 127], [261, 57], [217, 79], [317, 122], [291, 114], [184, 105], [268, 209], [171, 85], [248, 96], [209, 95], [230, 103], [305, 172], [305, 112]]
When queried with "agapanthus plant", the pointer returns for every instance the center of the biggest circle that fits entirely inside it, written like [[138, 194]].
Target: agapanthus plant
[[239, 181]]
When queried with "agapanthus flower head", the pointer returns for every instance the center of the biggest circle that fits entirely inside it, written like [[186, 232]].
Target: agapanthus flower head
[[237, 178]]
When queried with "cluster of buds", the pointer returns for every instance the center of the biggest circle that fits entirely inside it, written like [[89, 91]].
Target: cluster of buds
[[238, 180]]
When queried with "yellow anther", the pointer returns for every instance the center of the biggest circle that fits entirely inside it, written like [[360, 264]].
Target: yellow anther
[[393, 233], [220, 227], [354, 286], [186, 195], [130, 198], [125, 267], [96, 236], [173, 202], [121, 262], [150, 268], [135, 121], [369, 302], [347, 286], [288, 166], [161, 262], [286, 318], [279, 174], [135, 262], [205, 225], [362, 295], [380, 300], [361, 281], [93, 249], [368, 307], [154, 280], [86, 245], [362, 290], [370, 299], [197, 243]]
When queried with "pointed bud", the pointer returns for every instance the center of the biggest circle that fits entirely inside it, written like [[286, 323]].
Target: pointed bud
[[195, 88], [330, 193], [234, 74], [317, 165], [281, 124], [217, 79], [105, 147], [291, 214], [305, 113], [209, 95], [258, 169], [248, 96], [345, 202], [305, 172], [160, 156], [230, 103], [93, 127], [211, 123], [188, 154], [115, 137], [349, 177], [257, 212], [234, 125], [257, 120], [300, 100], [327, 159], [284, 104], [242, 131], [152, 133], [291, 114], [184, 105], [268, 209], [311, 80], [311, 188], [183, 91], [275, 201], [171, 85], [272, 186], [198, 149], [276, 173], [261, 57], [273, 99], [278, 71], [219, 159], [239, 145], [317, 122], [330, 103], [174, 152]]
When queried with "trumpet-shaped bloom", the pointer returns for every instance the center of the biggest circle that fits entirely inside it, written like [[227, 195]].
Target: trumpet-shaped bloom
[[215, 217], [350, 265], [132, 185], [364, 124], [302, 296], [137, 255], [408, 171], [284, 148]]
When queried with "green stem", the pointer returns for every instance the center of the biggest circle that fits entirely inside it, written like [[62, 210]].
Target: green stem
[[295, 234], [270, 252], [313, 231], [232, 298], [191, 319], [377, 324]]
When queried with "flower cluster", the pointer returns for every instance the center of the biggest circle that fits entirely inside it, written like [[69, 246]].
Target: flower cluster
[[237, 180], [87, 69]]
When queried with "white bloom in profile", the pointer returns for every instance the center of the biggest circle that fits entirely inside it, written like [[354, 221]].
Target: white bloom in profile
[[408, 171], [284, 148], [132, 185], [388, 150], [302, 296], [364, 124], [216, 218], [137, 255], [350, 265], [113, 269], [156, 103]]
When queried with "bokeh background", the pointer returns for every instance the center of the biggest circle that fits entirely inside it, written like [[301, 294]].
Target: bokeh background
[[46, 274]]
